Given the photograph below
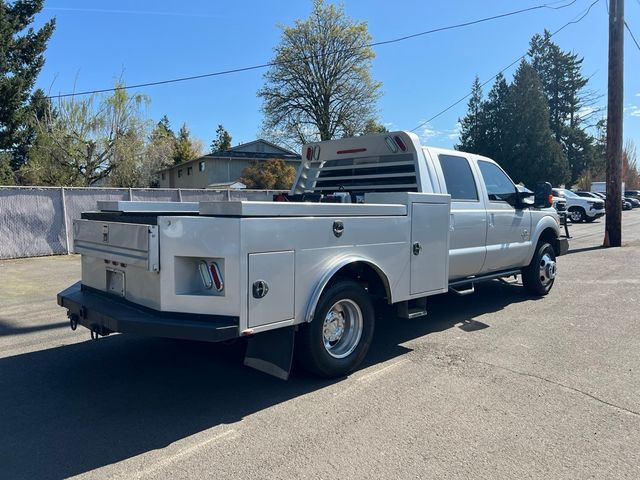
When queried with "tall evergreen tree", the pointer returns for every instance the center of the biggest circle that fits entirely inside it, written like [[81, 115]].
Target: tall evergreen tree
[[186, 147], [563, 84], [472, 126], [497, 119], [222, 140], [533, 154], [21, 59], [163, 128]]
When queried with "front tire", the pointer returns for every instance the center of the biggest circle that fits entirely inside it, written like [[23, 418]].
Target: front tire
[[538, 277], [338, 338], [577, 214]]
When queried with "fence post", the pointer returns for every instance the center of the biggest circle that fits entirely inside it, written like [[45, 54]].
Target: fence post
[[65, 224], [130, 194], [179, 195]]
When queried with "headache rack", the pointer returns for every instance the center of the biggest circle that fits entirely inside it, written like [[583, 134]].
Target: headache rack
[[376, 173]]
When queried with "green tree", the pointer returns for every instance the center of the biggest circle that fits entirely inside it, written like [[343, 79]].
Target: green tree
[[89, 140], [532, 154], [274, 174], [163, 128], [373, 126], [21, 59], [473, 125], [320, 86], [187, 148], [222, 141], [7, 176], [496, 116], [159, 153], [563, 84]]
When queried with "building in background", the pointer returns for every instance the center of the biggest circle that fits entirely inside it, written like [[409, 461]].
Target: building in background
[[225, 166]]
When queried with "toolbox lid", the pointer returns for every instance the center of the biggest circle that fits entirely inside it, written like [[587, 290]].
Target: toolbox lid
[[141, 207], [299, 209]]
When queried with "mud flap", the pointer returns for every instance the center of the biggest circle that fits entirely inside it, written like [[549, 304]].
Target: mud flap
[[271, 352]]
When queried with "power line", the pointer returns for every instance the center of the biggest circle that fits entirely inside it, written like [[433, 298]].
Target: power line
[[271, 64], [631, 33], [441, 112]]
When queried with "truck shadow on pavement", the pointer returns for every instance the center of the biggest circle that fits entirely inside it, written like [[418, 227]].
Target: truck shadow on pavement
[[75, 408]]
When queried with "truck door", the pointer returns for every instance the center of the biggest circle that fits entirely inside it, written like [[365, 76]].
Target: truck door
[[508, 228], [468, 222]]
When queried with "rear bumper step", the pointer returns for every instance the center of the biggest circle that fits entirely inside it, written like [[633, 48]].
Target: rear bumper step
[[105, 313]]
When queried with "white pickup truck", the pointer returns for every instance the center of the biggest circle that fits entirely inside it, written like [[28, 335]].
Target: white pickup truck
[[371, 218]]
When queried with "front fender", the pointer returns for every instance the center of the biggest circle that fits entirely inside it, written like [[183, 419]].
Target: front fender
[[329, 274], [547, 222]]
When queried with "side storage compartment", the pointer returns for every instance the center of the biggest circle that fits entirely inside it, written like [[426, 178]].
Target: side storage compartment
[[429, 247], [271, 287]]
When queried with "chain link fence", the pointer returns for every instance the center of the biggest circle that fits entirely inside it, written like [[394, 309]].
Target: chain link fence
[[37, 221]]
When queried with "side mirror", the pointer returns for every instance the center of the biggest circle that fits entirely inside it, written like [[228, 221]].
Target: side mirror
[[522, 197], [543, 198]]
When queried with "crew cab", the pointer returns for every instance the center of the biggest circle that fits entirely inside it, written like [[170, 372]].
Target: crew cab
[[372, 219]]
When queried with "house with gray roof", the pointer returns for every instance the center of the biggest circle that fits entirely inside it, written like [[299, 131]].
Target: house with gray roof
[[224, 166]]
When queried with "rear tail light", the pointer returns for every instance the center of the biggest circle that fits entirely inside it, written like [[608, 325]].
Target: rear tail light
[[309, 155], [205, 274], [400, 143], [211, 275], [218, 281], [550, 200]]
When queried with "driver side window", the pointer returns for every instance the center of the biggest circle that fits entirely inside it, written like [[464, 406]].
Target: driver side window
[[500, 188]]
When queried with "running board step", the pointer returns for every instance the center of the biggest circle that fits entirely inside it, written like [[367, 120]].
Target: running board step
[[413, 308], [466, 291]]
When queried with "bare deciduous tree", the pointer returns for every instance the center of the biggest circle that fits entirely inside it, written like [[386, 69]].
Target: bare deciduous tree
[[320, 86]]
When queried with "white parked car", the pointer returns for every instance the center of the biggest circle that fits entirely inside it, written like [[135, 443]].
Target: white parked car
[[580, 209]]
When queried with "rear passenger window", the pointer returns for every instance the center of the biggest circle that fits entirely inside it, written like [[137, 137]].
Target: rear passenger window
[[499, 186], [458, 177]]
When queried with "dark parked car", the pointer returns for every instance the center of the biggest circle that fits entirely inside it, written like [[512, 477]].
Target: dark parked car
[[627, 204], [632, 194], [633, 201]]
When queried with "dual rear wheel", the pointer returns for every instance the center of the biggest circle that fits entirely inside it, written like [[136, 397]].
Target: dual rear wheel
[[338, 338]]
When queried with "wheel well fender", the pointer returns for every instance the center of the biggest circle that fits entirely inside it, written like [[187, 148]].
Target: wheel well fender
[[360, 269], [547, 230]]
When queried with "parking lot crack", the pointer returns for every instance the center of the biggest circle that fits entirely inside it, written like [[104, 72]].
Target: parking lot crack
[[562, 385]]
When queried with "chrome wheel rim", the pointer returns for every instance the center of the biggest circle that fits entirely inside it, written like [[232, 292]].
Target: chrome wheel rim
[[575, 215], [342, 328], [547, 269]]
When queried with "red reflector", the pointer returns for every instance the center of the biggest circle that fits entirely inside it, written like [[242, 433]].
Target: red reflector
[[218, 281], [353, 150], [551, 199], [309, 153], [400, 143]]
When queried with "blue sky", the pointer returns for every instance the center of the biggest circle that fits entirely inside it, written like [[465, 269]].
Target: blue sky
[[96, 42]]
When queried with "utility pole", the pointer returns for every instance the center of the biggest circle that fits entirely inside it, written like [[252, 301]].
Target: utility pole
[[613, 222]]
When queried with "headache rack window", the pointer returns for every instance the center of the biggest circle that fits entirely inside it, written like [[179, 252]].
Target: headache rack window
[[381, 173]]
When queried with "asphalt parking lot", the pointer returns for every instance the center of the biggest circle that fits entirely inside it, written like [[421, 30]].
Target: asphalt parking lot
[[492, 385]]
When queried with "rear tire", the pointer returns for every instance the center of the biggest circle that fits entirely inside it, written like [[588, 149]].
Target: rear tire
[[539, 275], [338, 338]]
